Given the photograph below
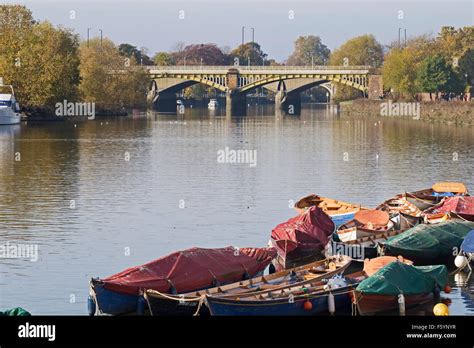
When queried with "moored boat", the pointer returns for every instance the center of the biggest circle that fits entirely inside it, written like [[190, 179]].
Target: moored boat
[[365, 224], [303, 238], [399, 285], [9, 107], [405, 213], [459, 206], [324, 296], [339, 211], [179, 272], [428, 243], [426, 198], [192, 303], [466, 255]]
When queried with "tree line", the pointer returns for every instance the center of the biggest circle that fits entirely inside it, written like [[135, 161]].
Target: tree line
[[48, 64]]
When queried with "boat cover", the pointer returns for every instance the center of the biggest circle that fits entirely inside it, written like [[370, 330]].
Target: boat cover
[[373, 265], [312, 229], [468, 243], [15, 312], [398, 277], [458, 204], [377, 218], [437, 239], [192, 269]]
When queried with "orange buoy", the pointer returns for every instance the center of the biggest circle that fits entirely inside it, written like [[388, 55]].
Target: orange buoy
[[307, 305], [447, 289]]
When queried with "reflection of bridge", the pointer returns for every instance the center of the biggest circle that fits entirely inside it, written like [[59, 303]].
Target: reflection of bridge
[[286, 81]]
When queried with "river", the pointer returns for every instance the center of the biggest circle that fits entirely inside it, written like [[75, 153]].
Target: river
[[102, 195]]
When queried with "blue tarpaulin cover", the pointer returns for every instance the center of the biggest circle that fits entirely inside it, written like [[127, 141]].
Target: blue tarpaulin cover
[[468, 243]]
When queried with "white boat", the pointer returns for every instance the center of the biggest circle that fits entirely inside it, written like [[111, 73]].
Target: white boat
[[212, 104], [9, 107]]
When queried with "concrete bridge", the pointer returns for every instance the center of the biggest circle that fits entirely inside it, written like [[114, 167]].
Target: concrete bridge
[[287, 82]]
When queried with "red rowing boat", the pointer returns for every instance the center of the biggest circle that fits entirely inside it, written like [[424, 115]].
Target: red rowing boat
[[303, 238], [462, 206], [180, 272]]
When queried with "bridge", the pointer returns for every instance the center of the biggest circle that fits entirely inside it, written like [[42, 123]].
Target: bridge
[[287, 82]]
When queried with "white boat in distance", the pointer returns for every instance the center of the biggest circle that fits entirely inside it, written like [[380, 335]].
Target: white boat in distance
[[212, 104], [9, 107]]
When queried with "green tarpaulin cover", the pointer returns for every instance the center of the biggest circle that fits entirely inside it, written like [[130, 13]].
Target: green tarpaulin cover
[[430, 240], [399, 278], [18, 311]]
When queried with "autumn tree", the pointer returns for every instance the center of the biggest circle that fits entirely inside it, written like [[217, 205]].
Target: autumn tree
[[140, 56], [163, 58], [110, 79], [361, 50], [207, 54], [38, 59], [309, 50], [249, 53]]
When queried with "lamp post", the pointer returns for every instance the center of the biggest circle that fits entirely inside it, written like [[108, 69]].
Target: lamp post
[[312, 62], [243, 33], [88, 30], [248, 60], [100, 30], [253, 35], [201, 63]]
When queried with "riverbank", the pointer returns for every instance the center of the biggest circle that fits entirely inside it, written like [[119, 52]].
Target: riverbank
[[454, 112]]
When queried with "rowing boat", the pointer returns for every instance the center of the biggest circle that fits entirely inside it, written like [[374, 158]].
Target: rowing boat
[[426, 198], [402, 211], [182, 271], [399, 283], [339, 211], [429, 243], [162, 304], [302, 239], [457, 206], [361, 248], [326, 295], [366, 223]]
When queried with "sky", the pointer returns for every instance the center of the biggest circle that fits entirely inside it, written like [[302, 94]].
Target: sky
[[158, 25]]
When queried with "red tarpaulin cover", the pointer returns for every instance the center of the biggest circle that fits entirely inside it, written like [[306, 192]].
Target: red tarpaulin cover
[[461, 205], [308, 231], [191, 269]]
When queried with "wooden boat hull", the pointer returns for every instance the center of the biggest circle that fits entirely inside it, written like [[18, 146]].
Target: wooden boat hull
[[188, 304], [102, 300], [379, 304], [286, 307]]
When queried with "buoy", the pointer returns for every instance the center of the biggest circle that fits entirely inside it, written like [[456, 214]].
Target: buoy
[[441, 310], [401, 304], [460, 261], [307, 305], [331, 304], [447, 289]]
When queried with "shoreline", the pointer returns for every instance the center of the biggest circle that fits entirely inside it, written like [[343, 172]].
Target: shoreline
[[459, 113]]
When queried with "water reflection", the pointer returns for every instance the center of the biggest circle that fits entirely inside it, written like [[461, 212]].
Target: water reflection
[[126, 177]]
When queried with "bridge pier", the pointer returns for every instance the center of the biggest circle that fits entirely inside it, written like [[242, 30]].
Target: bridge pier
[[166, 102], [375, 87], [290, 103], [236, 103]]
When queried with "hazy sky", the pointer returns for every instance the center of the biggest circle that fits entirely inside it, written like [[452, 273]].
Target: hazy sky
[[157, 25]]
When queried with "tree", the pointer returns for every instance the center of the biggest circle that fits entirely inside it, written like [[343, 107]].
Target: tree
[[207, 54], [140, 56], [108, 78], [466, 66], [361, 50], [163, 58], [251, 52], [436, 75], [309, 50], [39, 60]]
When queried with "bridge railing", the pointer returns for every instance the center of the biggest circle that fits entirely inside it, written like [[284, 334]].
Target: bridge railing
[[255, 67]]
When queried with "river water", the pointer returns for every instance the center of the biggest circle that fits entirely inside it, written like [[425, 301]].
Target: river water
[[99, 196]]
